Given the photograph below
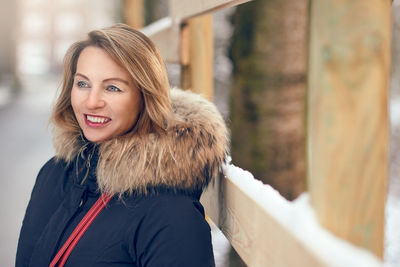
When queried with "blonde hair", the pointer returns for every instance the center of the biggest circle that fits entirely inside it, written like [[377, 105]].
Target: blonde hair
[[139, 56]]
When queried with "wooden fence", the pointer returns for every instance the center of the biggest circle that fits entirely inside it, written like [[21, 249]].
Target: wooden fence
[[347, 122]]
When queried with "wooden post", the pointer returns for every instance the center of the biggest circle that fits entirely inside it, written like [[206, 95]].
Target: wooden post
[[349, 68], [133, 11], [197, 55]]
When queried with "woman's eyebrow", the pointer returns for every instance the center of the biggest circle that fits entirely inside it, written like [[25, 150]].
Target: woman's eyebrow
[[83, 76], [117, 79], [106, 80]]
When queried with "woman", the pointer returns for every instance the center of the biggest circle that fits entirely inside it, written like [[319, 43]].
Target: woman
[[127, 143]]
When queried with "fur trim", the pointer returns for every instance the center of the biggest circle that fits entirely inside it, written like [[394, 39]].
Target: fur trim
[[186, 158]]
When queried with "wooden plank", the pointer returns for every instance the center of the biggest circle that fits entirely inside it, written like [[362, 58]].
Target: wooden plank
[[349, 68], [133, 12], [165, 34], [197, 56], [257, 237], [186, 9]]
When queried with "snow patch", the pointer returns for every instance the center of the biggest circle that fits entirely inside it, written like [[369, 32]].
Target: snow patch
[[392, 242], [395, 111]]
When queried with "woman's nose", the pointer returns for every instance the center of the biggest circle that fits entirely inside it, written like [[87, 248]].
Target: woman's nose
[[95, 99]]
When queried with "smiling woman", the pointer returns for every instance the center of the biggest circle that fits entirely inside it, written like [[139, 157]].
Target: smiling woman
[[132, 159]]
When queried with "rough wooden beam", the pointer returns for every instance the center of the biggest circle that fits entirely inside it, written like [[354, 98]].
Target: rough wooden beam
[[267, 230], [186, 9], [349, 68]]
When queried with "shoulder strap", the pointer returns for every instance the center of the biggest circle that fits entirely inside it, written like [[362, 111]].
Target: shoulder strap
[[63, 254]]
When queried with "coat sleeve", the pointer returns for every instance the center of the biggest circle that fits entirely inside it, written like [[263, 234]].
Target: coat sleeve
[[174, 233]]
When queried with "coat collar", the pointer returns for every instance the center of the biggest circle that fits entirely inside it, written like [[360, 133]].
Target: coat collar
[[185, 159]]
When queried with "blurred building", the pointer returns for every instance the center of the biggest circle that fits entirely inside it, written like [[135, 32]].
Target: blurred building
[[46, 28]]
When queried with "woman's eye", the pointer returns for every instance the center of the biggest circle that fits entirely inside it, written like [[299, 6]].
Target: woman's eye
[[82, 84], [113, 88]]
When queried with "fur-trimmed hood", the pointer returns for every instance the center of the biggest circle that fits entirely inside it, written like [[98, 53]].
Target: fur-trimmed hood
[[185, 159]]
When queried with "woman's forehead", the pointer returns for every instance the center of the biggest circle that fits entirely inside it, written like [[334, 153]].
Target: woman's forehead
[[95, 62]]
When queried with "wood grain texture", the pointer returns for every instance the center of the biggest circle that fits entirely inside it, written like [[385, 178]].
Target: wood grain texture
[[349, 66], [197, 56], [257, 237], [186, 9]]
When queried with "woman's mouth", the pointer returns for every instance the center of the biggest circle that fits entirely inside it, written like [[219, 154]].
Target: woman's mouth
[[96, 121]]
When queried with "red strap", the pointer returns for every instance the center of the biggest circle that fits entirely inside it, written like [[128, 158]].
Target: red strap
[[79, 230]]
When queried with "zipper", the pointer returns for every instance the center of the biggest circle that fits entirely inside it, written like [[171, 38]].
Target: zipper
[[87, 167]]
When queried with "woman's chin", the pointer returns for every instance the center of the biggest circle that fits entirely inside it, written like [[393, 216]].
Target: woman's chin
[[96, 138]]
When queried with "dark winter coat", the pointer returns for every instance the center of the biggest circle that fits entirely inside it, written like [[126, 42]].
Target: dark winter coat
[[155, 217]]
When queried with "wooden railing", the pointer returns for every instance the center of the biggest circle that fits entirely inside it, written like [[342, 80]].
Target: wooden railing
[[349, 62]]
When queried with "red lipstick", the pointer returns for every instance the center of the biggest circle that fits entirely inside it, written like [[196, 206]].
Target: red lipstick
[[96, 121]]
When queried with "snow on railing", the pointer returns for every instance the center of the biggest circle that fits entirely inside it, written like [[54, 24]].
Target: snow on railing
[[299, 219]]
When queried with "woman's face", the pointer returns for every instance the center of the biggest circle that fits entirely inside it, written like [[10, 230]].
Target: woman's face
[[105, 100]]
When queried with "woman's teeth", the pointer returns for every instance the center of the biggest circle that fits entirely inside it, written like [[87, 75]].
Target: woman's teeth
[[97, 119]]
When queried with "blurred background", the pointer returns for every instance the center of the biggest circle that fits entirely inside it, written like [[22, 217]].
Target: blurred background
[[35, 34]]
